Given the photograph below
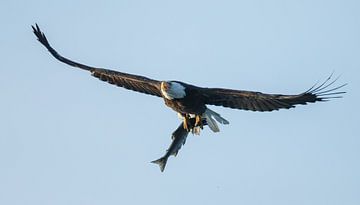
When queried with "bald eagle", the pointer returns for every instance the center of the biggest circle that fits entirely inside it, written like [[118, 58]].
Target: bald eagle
[[191, 101]]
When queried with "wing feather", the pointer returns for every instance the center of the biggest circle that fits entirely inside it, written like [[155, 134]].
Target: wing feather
[[257, 101], [129, 81]]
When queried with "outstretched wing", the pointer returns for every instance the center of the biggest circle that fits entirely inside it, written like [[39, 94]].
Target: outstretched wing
[[128, 81], [257, 101]]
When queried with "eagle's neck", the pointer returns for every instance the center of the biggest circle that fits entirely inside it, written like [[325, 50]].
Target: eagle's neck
[[172, 90]]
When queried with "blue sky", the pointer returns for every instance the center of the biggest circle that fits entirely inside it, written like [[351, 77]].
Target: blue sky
[[68, 138]]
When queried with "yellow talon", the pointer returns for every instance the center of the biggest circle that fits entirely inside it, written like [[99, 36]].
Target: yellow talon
[[185, 123], [198, 121]]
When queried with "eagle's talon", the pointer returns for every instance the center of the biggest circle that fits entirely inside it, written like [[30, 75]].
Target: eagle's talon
[[186, 123], [198, 121], [185, 126]]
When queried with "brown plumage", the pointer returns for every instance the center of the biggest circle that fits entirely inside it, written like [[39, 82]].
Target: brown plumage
[[190, 101], [125, 80], [237, 99], [257, 101]]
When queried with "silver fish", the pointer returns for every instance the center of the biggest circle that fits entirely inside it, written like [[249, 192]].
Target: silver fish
[[178, 140]]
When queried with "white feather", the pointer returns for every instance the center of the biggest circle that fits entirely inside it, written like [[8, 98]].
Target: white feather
[[175, 91], [217, 116], [210, 115]]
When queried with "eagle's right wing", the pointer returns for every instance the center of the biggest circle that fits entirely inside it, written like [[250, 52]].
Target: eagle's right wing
[[125, 80], [257, 101]]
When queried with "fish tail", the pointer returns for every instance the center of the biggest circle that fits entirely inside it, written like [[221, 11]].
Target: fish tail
[[161, 162]]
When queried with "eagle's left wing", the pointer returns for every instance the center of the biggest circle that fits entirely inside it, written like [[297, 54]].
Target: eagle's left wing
[[129, 81], [257, 101]]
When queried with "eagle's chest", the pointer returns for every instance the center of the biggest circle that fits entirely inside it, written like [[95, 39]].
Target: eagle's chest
[[192, 103]]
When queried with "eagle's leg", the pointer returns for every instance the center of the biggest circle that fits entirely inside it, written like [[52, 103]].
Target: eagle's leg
[[198, 121], [186, 123]]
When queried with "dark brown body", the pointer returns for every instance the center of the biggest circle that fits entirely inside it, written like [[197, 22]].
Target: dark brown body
[[192, 103]]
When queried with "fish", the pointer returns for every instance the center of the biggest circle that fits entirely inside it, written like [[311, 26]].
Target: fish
[[178, 138]]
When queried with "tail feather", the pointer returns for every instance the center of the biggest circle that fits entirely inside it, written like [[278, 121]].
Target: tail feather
[[210, 116], [217, 117], [212, 123], [161, 162]]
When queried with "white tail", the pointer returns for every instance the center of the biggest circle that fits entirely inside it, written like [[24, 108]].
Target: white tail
[[210, 116]]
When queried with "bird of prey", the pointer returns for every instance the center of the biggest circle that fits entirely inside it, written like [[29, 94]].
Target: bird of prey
[[191, 101]]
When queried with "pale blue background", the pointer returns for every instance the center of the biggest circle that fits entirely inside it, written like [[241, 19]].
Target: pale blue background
[[68, 138]]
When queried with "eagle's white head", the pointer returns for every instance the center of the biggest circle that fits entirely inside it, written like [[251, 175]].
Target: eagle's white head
[[172, 90]]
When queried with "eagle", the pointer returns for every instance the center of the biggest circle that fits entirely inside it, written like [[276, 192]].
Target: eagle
[[191, 101]]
